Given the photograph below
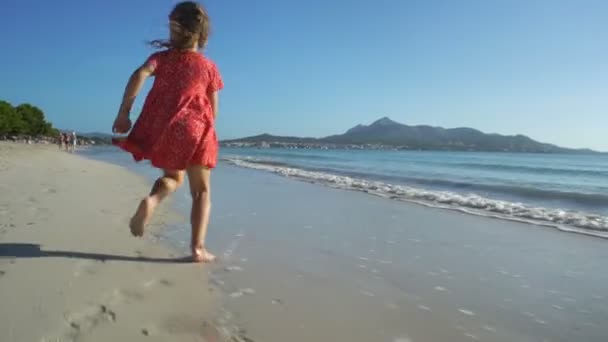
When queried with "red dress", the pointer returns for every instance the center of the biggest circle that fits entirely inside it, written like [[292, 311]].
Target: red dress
[[176, 126]]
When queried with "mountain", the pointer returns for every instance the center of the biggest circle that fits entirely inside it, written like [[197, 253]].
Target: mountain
[[392, 134]]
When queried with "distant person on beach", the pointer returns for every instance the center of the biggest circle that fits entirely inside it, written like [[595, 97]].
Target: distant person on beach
[[74, 142], [175, 129], [66, 140]]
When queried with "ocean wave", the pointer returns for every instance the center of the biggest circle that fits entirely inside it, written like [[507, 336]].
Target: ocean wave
[[516, 189], [573, 221], [534, 169]]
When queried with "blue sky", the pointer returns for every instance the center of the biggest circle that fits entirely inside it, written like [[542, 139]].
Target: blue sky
[[316, 67]]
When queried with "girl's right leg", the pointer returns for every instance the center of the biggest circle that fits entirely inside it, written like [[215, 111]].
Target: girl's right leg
[[200, 188], [163, 186]]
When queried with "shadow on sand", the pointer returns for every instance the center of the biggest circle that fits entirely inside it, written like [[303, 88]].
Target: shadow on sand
[[28, 250]]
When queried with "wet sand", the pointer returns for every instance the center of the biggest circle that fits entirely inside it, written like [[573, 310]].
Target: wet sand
[[69, 269], [307, 263]]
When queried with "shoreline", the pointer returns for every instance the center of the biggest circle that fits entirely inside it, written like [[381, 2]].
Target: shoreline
[[333, 265], [69, 268], [573, 221]]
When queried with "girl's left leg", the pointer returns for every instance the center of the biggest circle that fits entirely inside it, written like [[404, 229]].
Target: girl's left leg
[[163, 186]]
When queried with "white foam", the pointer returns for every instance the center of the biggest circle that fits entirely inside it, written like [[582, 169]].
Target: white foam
[[424, 308], [248, 291], [489, 328], [233, 268], [572, 221], [440, 289], [471, 336], [466, 312], [402, 339], [392, 306]]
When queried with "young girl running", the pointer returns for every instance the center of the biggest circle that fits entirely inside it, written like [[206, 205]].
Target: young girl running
[[175, 130]]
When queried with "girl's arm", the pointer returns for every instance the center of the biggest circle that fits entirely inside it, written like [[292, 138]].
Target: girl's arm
[[136, 81], [215, 99], [134, 85]]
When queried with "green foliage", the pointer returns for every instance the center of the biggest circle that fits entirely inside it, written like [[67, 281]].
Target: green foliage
[[24, 119]]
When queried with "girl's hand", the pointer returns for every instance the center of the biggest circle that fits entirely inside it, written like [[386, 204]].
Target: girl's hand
[[121, 125]]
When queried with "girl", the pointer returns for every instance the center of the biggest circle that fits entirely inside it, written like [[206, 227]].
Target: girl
[[175, 129]]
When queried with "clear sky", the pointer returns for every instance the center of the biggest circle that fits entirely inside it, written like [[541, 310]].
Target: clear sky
[[318, 67]]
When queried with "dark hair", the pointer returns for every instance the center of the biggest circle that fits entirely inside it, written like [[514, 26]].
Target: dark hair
[[189, 23]]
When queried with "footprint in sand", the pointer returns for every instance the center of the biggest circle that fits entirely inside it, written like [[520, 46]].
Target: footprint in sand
[[87, 267], [126, 296], [165, 282], [82, 323], [2, 273]]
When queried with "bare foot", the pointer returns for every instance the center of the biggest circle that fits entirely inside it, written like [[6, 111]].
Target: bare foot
[[141, 217], [200, 254]]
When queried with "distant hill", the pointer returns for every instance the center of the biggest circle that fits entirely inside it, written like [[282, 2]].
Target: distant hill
[[392, 134], [98, 135]]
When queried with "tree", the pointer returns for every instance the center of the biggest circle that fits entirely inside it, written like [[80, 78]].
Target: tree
[[24, 119], [10, 120], [33, 118]]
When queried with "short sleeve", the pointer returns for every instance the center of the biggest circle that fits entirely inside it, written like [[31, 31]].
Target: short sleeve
[[153, 61], [216, 83]]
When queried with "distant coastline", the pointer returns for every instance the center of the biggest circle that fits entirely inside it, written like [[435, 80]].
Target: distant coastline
[[386, 134]]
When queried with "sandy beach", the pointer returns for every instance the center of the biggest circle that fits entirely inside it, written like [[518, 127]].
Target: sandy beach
[[69, 269], [299, 262]]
